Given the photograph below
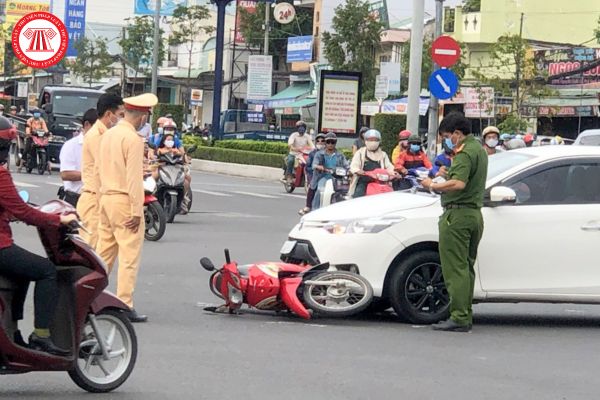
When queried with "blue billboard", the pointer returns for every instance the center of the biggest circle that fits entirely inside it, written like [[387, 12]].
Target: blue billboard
[[147, 7], [75, 23], [299, 49]]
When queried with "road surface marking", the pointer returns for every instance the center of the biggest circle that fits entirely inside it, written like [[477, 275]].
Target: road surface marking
[[25, 185], [443, 83], [299, 196], [219, 194], [262, 196], [54, 183], [445, 52]]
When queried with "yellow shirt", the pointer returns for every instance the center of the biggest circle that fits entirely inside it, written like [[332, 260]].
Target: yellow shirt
[[90, 174], [121, 162], [396, 154]]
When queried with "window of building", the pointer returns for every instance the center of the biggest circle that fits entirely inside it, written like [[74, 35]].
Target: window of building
[[449, 17], [386, 58]]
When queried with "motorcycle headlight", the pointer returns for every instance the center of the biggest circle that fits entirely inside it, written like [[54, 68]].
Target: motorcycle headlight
[[368, 225], [235, 294], [383, 177]]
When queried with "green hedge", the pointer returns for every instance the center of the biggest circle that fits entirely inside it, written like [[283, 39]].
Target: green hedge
[[163, 109], [389, 125], [239, 156], [254, 145]]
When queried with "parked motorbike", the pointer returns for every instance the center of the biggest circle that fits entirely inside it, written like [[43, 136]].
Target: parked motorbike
[[381, 182], [336, 189], [277, 286], [38, 157], [170, 183], [412, 181], [154, 214], [299, 173], [90, 322]]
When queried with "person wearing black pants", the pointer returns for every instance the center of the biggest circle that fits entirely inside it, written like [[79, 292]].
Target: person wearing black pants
[[22, 266]]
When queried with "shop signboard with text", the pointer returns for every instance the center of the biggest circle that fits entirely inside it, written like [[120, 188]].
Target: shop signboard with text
[[555, 62], [339, 102]]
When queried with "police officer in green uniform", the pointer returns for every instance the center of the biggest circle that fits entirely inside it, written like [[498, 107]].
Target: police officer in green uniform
[[461, 224]]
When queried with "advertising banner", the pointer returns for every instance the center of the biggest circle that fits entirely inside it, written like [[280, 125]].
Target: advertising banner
[[479, 102], [260, 77], [250, 7], [339, 102], [147, 7], [299, 49], [392, 71], [20, 8], [196, 97], [554, 62], [75, 23]]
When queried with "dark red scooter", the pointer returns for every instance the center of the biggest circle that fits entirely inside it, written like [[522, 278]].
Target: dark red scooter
[[89, 321], [278, 286]]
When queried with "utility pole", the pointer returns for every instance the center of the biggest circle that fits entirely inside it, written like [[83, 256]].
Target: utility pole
[[267, 22], [154, 87], [518, 99], [416, 59], [432, 133]]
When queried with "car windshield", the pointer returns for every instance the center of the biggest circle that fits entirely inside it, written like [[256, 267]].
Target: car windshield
[[73, 104], [502, 162], [592, 140]]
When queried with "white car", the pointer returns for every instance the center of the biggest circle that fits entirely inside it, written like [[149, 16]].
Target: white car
[[541, 240], [590, 137]]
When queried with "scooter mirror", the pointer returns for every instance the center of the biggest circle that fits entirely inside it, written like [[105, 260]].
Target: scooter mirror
[[207, 264], [24, 196]]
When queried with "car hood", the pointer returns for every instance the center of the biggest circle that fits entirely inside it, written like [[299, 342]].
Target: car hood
[[372, 206]]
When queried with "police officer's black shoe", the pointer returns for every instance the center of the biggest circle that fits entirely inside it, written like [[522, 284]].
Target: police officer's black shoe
[[134, 317], [46, 345], [18, 339], [451, 326]]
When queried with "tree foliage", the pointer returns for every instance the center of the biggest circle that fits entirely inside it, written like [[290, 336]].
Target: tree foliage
[[351, 46], [10, 64], [93, 59], [511, 72], [597, 31], [471, 6]]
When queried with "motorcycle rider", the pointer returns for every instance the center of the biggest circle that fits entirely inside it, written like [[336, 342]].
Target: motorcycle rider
[[35, 123], [402, 145], [1, 110], [325, 162], [360, 142], [443, 161], [413, 158], [528, 139], [297, 142], [368, 158], [491, 139], [310, 195], [170, 128], [19, 264]]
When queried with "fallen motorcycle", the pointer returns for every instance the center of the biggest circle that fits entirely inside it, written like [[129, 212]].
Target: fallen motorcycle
[[304, 290]]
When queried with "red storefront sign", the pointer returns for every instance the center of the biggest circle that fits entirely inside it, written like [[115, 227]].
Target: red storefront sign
[[250, 7]]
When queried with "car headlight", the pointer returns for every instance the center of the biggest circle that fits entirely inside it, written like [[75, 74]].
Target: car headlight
[[368, 225]]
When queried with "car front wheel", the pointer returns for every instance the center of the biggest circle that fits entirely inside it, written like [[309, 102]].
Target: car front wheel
[[417, 290]]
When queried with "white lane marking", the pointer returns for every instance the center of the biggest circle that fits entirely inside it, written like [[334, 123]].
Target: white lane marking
[[299, 196], [219, 194], [443, 83], [25, 185], [236, 215], [54, 183], [237, 185], [262, 196], [445, 52]]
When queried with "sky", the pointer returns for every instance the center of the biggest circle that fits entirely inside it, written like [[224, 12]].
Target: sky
[[402, 9]]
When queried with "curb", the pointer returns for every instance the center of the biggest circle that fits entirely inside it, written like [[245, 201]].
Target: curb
[[243, 170]]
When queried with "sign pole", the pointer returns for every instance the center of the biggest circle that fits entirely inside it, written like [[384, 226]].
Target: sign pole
[[155, 50], [432, 133], [217, 91], [416, 58]]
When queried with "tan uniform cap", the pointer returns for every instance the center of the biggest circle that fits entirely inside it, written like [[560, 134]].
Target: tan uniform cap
[[143, 102]]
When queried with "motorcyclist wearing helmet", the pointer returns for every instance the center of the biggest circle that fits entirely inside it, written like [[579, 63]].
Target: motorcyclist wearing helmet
[[505, 138], [1, 110], [325, 162], [413, 158], [35, 123], [443, 161], [19, 264], [491, 139], [528, 139], [402, 145], [310, 195], [360, 142], [298, 142], [368, 158]]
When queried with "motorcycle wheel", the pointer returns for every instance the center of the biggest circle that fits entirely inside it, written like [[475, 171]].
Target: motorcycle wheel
[[17, 155], [156, 221], [350, 294], [289, 186], [170, 207], [42, 163], [94, 374]]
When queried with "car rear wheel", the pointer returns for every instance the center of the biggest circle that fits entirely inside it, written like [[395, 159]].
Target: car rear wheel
[[417, 290]]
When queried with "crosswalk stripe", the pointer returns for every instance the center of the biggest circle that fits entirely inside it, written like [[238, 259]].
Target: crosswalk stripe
[[219, 194], [262, 196], [25, 185]]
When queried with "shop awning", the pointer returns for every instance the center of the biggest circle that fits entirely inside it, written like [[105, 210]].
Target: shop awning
[[300, 104], [286, 97], [562, 107]]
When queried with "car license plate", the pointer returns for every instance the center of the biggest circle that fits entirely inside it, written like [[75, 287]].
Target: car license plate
[[288, 246]]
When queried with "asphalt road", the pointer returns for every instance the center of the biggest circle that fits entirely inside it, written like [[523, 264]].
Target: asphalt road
[[514, 351]]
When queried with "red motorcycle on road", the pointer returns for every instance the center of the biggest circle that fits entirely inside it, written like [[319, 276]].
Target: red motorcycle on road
[[299, 175], [89, 321], [278, 286], [381, 182]]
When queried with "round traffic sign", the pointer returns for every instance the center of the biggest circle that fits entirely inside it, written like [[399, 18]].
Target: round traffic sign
[[445, 51], [443, 84]]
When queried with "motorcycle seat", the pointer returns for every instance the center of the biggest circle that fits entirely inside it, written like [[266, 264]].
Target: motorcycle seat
[[6, 283]]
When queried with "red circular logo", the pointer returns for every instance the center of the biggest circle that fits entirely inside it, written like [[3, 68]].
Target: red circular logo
[[40, 40]]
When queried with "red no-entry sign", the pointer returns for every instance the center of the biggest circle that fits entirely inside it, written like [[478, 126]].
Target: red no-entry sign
[[445, 51]]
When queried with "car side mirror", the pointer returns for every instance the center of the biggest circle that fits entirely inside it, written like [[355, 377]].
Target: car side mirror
[[207, 264], [502, 195]]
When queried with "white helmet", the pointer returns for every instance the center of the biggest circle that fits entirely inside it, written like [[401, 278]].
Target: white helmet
[[373, 133]]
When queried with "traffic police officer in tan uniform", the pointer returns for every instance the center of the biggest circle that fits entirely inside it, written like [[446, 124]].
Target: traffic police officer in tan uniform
[[121, 161], [461, 224], [110, 110]]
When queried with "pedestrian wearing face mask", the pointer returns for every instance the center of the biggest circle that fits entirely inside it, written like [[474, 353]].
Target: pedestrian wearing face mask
[[110, 110], [413, 158], [121, 232], [367, 159], [310, 194], [297, 142], [491, 139]]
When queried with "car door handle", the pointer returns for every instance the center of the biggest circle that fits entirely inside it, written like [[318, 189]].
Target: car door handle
[[591, 226]]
